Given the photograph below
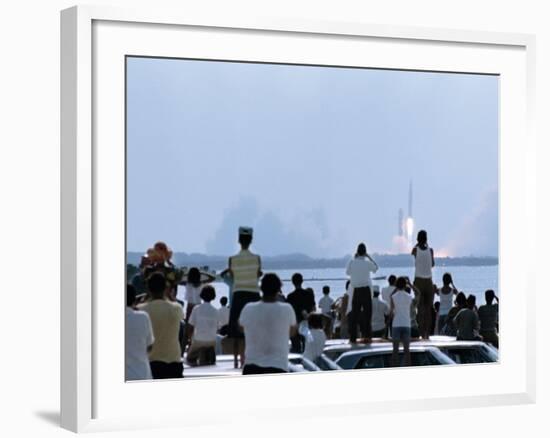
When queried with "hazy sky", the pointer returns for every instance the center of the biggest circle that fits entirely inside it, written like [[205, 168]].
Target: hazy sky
[[316, 159]]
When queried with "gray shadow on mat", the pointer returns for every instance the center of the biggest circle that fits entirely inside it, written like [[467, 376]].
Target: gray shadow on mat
[[52, 417]]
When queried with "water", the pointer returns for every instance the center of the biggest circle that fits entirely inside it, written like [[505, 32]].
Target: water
[[473, 280]]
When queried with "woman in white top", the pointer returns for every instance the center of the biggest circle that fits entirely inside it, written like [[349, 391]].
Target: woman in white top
[[446, 297], [423, 264]]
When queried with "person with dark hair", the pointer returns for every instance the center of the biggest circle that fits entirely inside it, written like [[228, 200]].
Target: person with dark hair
[[303, 303], [488, 318], [325, 304], [223, 316], [385, 296], [388, 290], [359, 269], [203, 326], [139, 339], [400, 307], [424, 261], [380, 312], [245, 268], [466, 321], [165, 315], [267, 326], [449, 329], [315, 342], [446, 294], [193, 281]]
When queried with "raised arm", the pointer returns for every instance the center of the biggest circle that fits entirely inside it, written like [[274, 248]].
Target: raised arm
[[433, 258]]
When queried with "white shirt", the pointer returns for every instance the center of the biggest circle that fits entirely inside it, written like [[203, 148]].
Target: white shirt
[[325, 304], [379, 309], [386, 293], [193, 294], [223, 316], [445, 302], [267, 331], [359, 269], [315, 345], [402, 309], [139, 336], [204, 319], [423, 263]]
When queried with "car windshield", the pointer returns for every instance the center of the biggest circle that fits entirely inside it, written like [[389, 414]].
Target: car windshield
[[383, 360], [470, 355]]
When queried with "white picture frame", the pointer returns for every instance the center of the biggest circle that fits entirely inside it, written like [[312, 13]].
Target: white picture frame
[[92, 41]]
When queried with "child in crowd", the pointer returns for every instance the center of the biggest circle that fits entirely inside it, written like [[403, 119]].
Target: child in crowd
[[325, 304], [203, 324], [316, 342], [223, 316]]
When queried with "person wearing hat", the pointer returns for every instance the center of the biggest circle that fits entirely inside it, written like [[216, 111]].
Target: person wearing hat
[[245, 269]]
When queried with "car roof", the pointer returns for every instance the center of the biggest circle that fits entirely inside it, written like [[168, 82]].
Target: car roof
[[343, 345], [388, 349]]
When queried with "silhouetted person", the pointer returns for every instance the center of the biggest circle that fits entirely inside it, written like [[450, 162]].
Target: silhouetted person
[[423, 263], [303, 303], [449, 328], [245, 269], [223, 316], [386, 293], [359, 269], [467, 322], [488, 318]]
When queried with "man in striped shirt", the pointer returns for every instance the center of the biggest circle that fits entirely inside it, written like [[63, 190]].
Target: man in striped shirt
[[245, 269]]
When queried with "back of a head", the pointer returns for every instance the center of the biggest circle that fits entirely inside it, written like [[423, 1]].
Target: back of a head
[[489, 296], [326, 290], [361, 249], [422, 237], [245, 240], [130, 295], [460, 299], [297, 280], [315, 321], [194, 277], [270, 285], [447, 279], [401, 283], [223, 301], [157, 285], [208, 293], [391, 280], [471, 301]]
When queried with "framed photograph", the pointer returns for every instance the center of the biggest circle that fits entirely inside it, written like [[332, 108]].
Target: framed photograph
[[253, 208]]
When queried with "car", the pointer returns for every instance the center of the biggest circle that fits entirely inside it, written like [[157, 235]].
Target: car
[[224, 367], [463, 352], [379, 356]]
